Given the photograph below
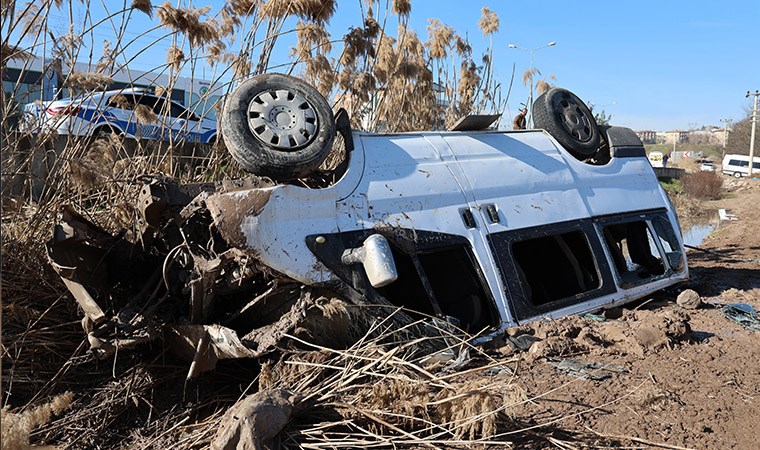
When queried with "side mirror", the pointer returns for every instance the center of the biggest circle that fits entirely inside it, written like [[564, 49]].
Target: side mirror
[[376, 257]]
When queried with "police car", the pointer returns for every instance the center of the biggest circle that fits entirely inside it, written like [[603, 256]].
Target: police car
[[133, 112]]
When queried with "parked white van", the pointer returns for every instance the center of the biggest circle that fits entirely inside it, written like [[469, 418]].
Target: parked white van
[[738, 165], [656, 159]]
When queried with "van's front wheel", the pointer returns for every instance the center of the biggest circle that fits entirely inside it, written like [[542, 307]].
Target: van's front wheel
[[278, 126], [737, 174]]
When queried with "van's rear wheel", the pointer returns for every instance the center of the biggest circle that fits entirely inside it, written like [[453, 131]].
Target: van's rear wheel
[[568, 120], [278, 126], [737, 174]]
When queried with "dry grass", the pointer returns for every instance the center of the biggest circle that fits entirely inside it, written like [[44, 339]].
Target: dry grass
[[379, 390], [138, 398], [17, 426]]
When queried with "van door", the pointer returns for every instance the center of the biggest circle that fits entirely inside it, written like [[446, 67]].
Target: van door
[[537, 218], [409, 193]]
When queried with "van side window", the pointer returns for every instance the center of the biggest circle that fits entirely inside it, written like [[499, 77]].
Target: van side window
[[553, 266], [556, 267], [633, 252], [442, 282], [667, 236]]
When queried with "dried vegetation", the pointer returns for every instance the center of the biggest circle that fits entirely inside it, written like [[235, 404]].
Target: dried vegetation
[[378, 390]]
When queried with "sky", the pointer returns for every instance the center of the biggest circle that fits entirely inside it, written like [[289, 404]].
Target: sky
[[653, 65]]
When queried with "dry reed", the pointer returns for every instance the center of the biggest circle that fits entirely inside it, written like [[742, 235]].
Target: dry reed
[[17, 426], [144, 6], [132, 399], [440, 37], [175, 57], [187, 21], [488, 22], [402, 7]]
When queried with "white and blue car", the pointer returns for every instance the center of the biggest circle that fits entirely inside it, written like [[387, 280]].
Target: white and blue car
[[114, 112]]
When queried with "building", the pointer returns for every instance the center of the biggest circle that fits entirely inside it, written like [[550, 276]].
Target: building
[[672, 137], [647, 136]]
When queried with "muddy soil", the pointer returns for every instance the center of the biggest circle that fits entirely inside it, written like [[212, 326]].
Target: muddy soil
[[683, 378]]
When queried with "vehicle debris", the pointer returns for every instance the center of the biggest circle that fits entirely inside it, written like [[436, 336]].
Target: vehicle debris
[[422, 221], [595, 371], [743, 314]]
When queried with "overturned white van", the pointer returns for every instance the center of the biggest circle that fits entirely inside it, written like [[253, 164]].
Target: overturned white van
[[483, 229], [486, 228]]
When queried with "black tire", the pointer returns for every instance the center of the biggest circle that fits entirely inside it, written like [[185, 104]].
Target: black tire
[[568, 120], [103, 131], [100, 133], [276, 108]]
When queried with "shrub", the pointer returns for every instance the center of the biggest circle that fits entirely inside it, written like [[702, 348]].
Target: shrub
[[672, 185], [703, 185]]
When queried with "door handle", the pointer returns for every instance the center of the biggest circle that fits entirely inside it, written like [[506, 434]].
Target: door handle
[[468, 218], [492, 212]]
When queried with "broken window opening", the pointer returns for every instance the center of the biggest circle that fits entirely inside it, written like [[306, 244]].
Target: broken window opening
[[669, 241], [556, 267], [634, 252], [442, 282]]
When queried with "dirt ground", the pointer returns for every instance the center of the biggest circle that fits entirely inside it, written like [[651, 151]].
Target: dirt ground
[[680, 378], [663, 376]]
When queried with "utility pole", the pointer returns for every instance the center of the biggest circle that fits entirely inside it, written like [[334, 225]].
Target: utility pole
[[726, 123], [756, 94]]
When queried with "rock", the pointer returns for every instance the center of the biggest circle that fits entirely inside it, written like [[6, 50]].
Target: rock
[[254, 422], [689, 299]]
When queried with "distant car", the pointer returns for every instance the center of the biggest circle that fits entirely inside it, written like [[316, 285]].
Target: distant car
[[115, 112], [707, 167], [32, 117]]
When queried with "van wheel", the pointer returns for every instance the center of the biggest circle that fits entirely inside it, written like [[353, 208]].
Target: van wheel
[[737, 174], [278, 126], [568, 120]]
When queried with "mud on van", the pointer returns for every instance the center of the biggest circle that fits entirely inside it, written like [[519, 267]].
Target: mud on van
[[486, 229]]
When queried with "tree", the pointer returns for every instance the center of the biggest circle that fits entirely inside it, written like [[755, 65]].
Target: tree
[[602, 118], [739, 136]]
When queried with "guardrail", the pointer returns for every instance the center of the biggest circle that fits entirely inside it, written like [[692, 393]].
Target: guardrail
[[669, 172]]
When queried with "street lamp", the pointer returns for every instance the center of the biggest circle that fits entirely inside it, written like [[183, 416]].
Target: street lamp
[[592, 104], [605, 117], [532, 50]]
